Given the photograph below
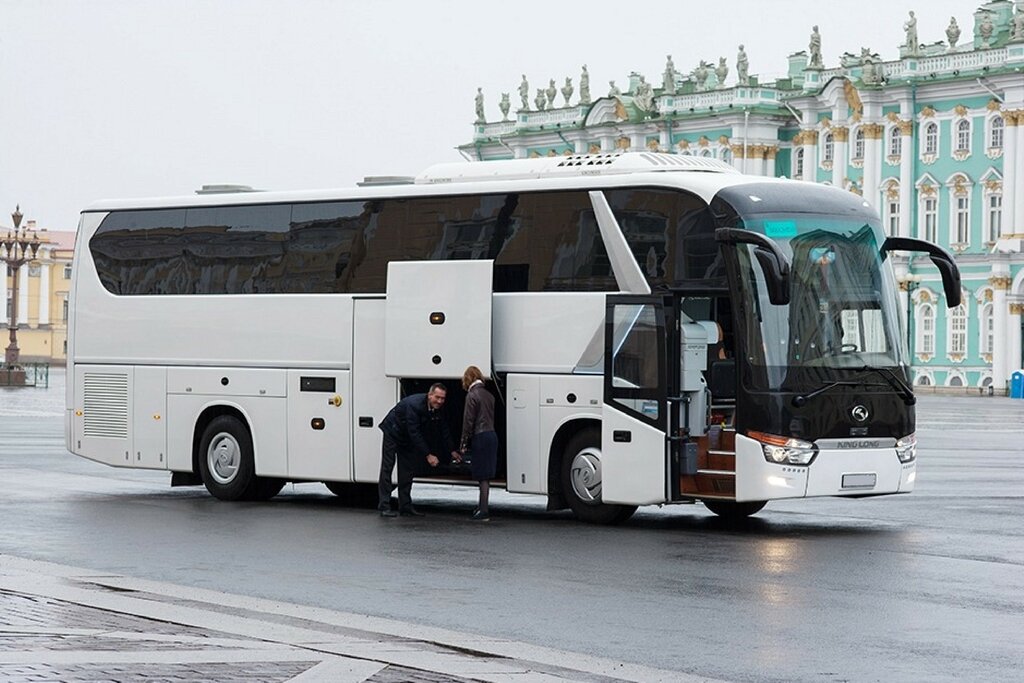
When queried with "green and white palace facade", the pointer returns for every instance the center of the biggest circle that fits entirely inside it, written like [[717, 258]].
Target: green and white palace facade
[[934, 140]]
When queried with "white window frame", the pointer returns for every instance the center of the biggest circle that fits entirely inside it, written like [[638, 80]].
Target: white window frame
[[956, 331], [996, 134], [798, 162], [956, 375], [962, 134], [828, 148], [924, 329], [960, 206], [986, 329], [895, 138], [858, 144], [993, 219], [930, 139]]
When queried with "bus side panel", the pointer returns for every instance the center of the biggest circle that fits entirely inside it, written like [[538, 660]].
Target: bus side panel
[[526, 461], [103, 415], [149, 423], [319, 425], [265, 418]]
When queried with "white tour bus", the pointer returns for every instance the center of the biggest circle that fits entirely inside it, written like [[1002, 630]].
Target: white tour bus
[[655, 328]]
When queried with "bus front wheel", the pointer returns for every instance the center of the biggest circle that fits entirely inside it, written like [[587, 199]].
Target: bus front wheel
[[226, 459], [581, 481], [733, 511]]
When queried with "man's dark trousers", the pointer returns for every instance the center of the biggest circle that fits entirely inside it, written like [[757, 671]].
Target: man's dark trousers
[[390, 453]]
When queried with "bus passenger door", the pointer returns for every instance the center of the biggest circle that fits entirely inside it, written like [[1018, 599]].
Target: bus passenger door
[[635, 411], [373, 392]]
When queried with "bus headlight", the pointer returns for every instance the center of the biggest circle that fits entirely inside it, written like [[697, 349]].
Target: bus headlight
[[906, 448], [783, 450]]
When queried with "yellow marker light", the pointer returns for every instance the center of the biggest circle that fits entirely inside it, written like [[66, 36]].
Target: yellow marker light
[[437, 318]]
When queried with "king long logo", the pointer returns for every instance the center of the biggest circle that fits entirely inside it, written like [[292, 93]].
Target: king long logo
[[859, 413]]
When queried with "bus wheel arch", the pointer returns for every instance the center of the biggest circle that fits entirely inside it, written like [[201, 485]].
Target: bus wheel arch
[[224, 456], [577, 461]]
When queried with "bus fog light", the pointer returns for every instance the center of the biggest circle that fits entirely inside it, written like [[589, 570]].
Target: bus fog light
[[781, 450], [906, 448]]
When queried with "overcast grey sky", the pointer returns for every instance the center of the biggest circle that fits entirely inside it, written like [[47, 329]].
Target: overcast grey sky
[[125, 98]]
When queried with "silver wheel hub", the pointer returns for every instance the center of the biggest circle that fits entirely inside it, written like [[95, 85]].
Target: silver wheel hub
[[223, 458], [585, 475]]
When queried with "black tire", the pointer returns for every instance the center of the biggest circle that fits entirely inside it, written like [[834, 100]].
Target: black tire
[[264, 488], [354, 495], [581, 481], [226, 462], [733, 511]]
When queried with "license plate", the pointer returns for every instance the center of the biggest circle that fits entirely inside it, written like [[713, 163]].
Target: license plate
[[859, 481]]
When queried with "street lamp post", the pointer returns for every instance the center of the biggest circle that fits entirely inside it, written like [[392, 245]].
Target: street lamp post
[[15, 250]]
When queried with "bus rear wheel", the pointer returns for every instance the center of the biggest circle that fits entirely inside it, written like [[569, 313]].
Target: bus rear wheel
[[354, 495], [226, 461], [581, 481], [733, 511]]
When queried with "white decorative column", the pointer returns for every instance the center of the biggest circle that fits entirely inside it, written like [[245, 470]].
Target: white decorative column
[[873, 134], [906, 178], [1009, 226], [1013, 359], [810, 140], [44, 290], [1018, 204], [23, 295], [1000, 282], [839, 137]]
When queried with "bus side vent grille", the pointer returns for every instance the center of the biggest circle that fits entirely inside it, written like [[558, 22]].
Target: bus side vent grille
[[105, 408]]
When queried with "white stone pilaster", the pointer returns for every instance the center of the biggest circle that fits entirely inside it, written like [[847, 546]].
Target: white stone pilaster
[[1013, 359], [873, 171], [44, 292], [1009, 178], [810, 161], [1018, 204], [906, 183], [23, 295], [1000, 315]]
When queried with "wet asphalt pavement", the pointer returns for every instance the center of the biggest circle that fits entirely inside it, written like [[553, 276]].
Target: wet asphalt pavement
[[928, 586]]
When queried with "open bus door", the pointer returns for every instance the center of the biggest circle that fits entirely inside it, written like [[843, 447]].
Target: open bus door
[[637, 412]]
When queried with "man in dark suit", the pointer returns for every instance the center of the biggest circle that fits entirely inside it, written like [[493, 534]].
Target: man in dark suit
[[415, 432]]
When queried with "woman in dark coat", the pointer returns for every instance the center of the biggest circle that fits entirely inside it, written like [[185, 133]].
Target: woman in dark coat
[[478, 436]]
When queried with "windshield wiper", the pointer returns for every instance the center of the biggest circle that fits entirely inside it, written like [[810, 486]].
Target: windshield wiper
[[896, 382], [891, 378]]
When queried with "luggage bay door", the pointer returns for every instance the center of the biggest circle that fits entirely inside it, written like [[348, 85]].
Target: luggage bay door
[[635, 411], [438, 318]]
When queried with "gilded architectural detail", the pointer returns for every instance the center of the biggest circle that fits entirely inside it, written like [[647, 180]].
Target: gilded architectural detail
[[798, 139], [755, 151], [853, 97], [986, 296], [856, 117], [840, 133], [960, 110], [825, 122], [893, 117], [892, 191], [770, 151], [808, 137], [960, 188], [723, 140], [622, 143], [994, 185], [1000, 282], [1016, 309], [703, 141], [927, 113], [737, 151], [594, 148], [873, 131], [993, 105], [927, 189], [683, 144], [906, 127], [652, 145]]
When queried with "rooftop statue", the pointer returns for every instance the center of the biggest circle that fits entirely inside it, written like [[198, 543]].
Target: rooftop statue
[[551, 92], [910, 26], [524, 94], [540, 100], [584, 86], [614, 91], [480, 106], [504, 106], [952, 33], [741, 68], [668, 81], [815, 48], [643, 98], [985, 30], [1018, 25], [721, 72], [700, 74]]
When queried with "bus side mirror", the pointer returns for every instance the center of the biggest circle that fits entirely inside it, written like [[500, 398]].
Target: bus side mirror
[[773, 262], [941, 259]]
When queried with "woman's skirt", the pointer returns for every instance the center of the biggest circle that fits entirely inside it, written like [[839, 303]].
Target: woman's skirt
[[483, 451]]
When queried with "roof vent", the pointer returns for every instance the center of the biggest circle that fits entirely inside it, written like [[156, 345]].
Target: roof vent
[[225, 188]]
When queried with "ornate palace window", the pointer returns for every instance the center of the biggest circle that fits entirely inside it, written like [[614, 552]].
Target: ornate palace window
[[987, 336], [931, 139], [956, 333], [895, 144], [959, 186], [925, 337], [798, 163], [962, 140]]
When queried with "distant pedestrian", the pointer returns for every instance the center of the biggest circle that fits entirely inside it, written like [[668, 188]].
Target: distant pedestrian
[[478, 436], [415, 434]]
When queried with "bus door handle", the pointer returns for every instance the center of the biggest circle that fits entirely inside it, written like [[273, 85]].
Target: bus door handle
[[622, 436], [365, 421], [334, 401]]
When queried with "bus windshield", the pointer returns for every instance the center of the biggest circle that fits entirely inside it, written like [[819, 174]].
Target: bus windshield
[[842, 315]]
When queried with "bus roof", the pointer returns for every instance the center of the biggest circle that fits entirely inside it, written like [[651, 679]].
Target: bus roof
[[700, 175]]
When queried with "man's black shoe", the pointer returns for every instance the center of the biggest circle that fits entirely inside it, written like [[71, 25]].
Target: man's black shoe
[[411, 512], [480, 516], [388, 513]]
